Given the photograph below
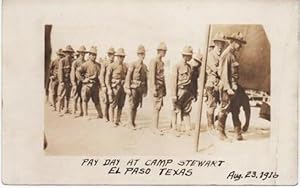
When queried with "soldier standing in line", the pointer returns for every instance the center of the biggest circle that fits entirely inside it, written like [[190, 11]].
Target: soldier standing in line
[[182, 90], [229, 84], [76, 82], [136, 85], [115, 79], [54, 78], [212, 78], [157, 83], [64, 87], [103, 90], [89, 73]]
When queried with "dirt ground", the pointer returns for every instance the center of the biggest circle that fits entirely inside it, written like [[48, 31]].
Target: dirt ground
[[67, 135]]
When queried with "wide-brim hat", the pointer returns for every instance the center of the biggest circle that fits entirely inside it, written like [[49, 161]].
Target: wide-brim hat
[[82, 49], [60, 52], [219, 37], [238, 37], [120, 52], [111, 50], [141, 49], [187, 50], [162, 46], [68, 49], [93, 50]]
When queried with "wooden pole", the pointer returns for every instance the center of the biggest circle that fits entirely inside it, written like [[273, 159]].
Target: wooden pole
[[201, 83]]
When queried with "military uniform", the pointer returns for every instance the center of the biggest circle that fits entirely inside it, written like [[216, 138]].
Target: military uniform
[[54, 78], [64, 88], [103, 90], [76, 82], [212, 80], [136, 86], [89, 73], [157, 83], [115, 79], [228, 86], [182, 91]]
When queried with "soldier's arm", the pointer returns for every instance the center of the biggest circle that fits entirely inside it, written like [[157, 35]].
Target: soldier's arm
[[152, 68], [174, 82], [102, 76], [108, 79], [129, 76], [223, 71], [211, 66], [146, 81], [79, 72], [60, 71], [51, 68], [73, 74]]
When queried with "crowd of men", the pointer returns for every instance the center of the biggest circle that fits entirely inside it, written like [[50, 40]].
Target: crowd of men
[[108, 82]]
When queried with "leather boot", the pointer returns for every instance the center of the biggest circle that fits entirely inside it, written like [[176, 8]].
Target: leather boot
[[74, 107], [118, 118], [67, 106], [111, 114], [210, 121], [99, 111], [155, 122], [85, 109], [187, 123], [174, 121], [134, 117], [238, 132], [130, 119], [221, 126], [81, 108]]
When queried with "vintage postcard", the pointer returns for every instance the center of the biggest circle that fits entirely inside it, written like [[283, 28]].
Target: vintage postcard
[[150, 93]]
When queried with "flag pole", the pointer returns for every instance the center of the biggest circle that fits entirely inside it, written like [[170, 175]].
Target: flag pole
[[201, 83]]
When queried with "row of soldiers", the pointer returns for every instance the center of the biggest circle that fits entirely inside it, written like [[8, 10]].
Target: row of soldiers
[[108, 82]]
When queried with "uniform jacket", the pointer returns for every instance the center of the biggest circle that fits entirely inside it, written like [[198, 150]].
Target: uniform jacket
[[54, 67], [89, 71], [74, 77], [64, 69], [115, 75], [156, 73], [136, 76], [227, 77], [213, 59], [181, 77]]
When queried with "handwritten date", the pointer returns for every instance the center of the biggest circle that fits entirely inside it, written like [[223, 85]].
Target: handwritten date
[[263, 175]]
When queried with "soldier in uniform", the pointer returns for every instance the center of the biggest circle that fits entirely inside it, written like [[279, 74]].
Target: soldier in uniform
[[54, 78], [136, 85], [212, 78], [229, 84], [76, 82], [182, 90], [115, 79], [89, 73], [157, 83], [103, 90], [64, 87]]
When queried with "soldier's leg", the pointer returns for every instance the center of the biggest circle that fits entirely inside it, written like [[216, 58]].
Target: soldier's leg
[[113, 105], [158, 102], [211, 106], [61, 96], [222, 115], [79, 99], [237, 124], [74, 96], [186, 117], [85, 94], [54, 94], [103, 104], [51, 93], [67, 97], [96, 100], [121, 102], [131, 108], [137, 98]]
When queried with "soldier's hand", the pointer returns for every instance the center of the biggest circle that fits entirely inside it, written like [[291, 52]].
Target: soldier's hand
[[103, 89], [128, 92], [145, 95], [155, 94], [110, 98], [174, 99], [230, 92]]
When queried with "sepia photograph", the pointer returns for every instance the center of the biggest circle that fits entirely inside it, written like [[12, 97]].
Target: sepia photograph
[[107, 99]]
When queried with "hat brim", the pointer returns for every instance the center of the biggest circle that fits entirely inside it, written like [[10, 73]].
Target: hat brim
[[80, 51], [162, 49], [68, 51], [238, 40], [123, 55], [184, 53], [220, 40], [92, 53]]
